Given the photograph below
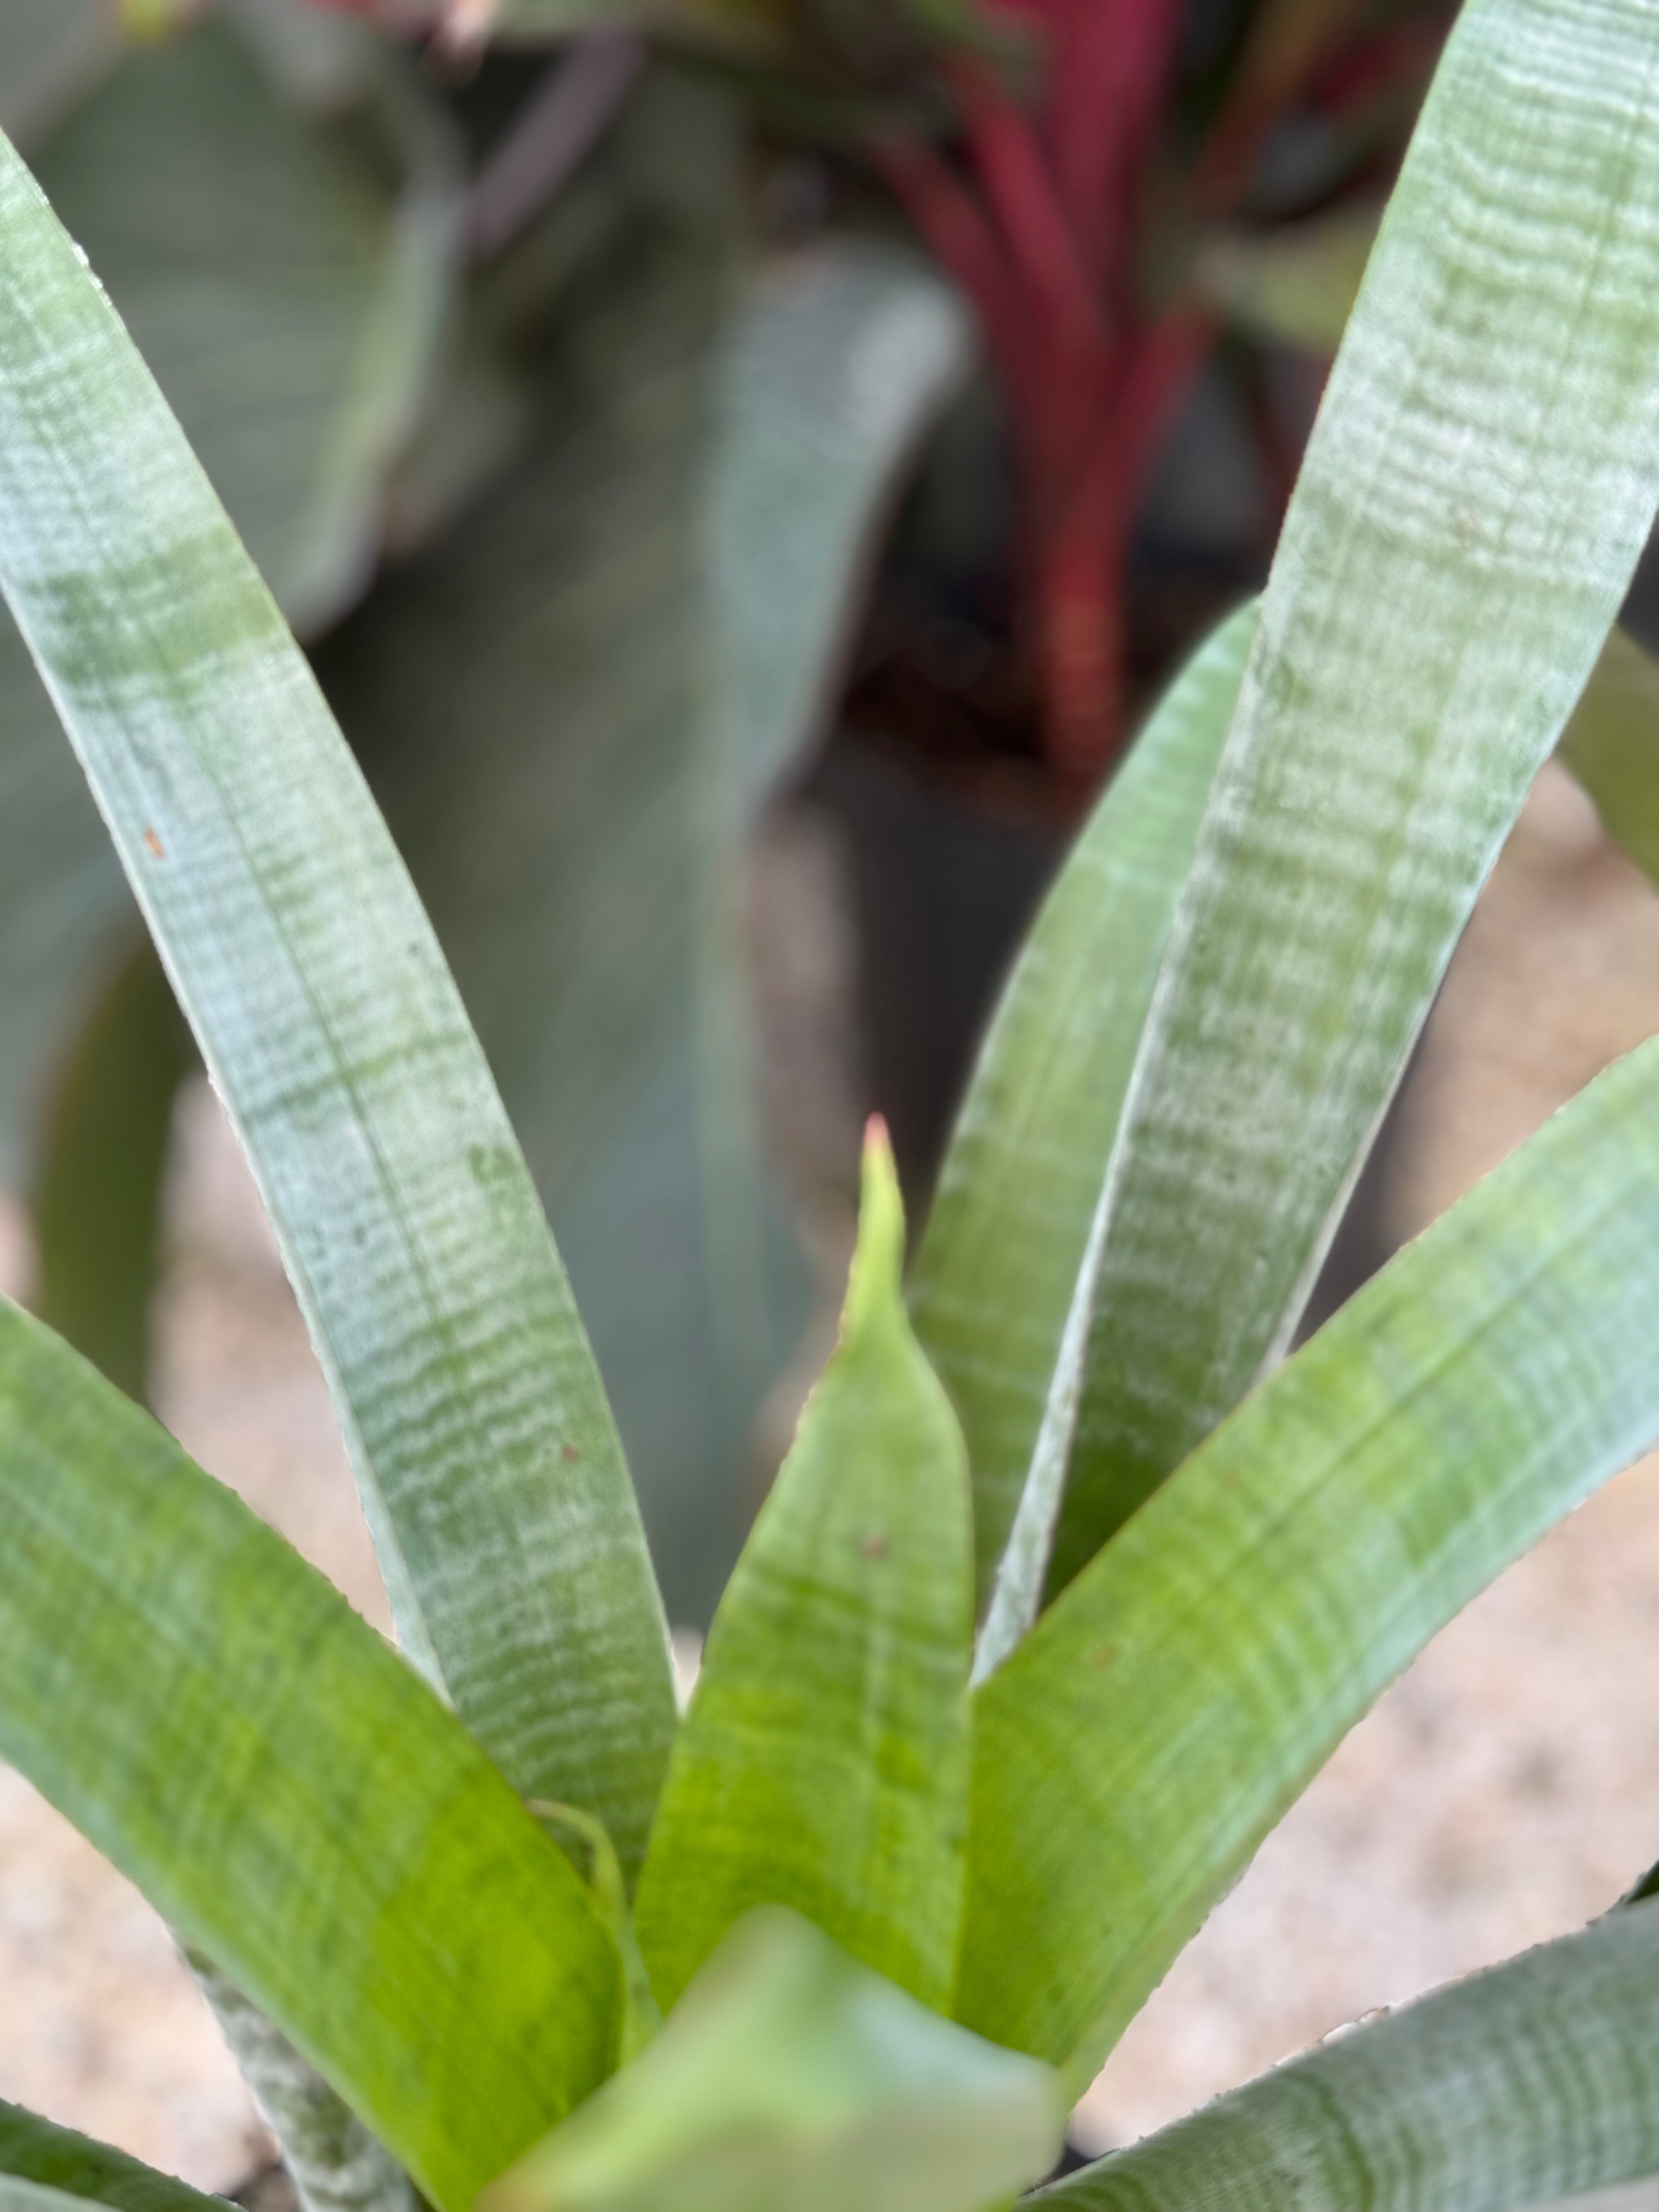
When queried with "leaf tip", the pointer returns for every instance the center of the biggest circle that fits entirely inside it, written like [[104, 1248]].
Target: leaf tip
[[879, 1257]]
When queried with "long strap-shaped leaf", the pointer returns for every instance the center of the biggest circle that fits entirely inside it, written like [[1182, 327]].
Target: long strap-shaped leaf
[[97, 1209], [17, 2196], [282, 1787], [999, 1265], [334, 2162], [1160, 1717], [39, 2155], [1481, 480], [1006, 1257], [823, 1762], [489, 1463], [1536, 2080]]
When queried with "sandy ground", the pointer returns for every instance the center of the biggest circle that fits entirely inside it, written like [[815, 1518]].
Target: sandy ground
[[1501, 1794]]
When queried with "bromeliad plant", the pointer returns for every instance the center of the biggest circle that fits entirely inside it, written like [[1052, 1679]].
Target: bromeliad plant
[[487, 1920]]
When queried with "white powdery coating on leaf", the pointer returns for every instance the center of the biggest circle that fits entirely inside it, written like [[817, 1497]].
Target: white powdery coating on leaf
[[1004, 1285], [492, 1476], [1480, 483]]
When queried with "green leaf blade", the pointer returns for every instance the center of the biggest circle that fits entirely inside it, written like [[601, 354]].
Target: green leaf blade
[[529, 701], [837, 364], [334, 2162], [1534, 2081], [96, 1206], [1007, 1233], [285, 276], [38, 2154], [50, 50], [1482, 477], [287, 299], [284, 1788], [1167, 1709], [792, 2079], [17, 2196], [572, 713], [491, 1475], [822, 1763], [1296, 284]]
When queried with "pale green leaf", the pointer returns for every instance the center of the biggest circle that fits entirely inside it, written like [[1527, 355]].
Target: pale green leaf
[[51, 51], [1161, 1716], [39, 2155], [291, 295], [1006, 1237], [834, 365], [319, 59], [531, 704], [282, 1787], [1004, 1257], [287, 282], [1537, 2081], [286, 298], [791, 2079], [1482, 477], [66, 914], [96, 1203], [1296, 284], [823, 1761], [489, 1466], [592, 1851], [1612, 746], [334, 2162], [17, 2196], [838, 361], [95, 1220], [572, 713]]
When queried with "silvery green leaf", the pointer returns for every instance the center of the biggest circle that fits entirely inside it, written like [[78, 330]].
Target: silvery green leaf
[[1174, 1701], [484, 1449], [1482, 477], [1534, 2081]]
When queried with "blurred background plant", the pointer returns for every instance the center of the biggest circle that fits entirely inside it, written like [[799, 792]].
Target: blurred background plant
[[638, 409]]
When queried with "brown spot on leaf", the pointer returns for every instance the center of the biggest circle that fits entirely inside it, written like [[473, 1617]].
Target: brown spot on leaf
[[874, 1546], [571, 1453], [1106, 1655], [154, 845]]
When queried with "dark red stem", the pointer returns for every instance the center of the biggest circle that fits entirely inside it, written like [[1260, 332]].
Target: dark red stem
[[1025, 198], [1110, 70], [951, 221], [1080, 625]]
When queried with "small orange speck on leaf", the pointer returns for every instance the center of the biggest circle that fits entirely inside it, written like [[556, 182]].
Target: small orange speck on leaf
[[874, 1546], [1106, 1654], [154, 845], [571, 1453]]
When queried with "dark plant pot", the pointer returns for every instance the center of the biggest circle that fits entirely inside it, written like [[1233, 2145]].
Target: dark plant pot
[[944, 886]]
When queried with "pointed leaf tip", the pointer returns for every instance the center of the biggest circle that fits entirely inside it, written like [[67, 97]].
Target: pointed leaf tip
[[874, 1284], [822, 1763]]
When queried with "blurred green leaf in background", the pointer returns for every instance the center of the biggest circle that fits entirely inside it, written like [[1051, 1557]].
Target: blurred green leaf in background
[[635, 469], [285, 274], [571, 710]]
